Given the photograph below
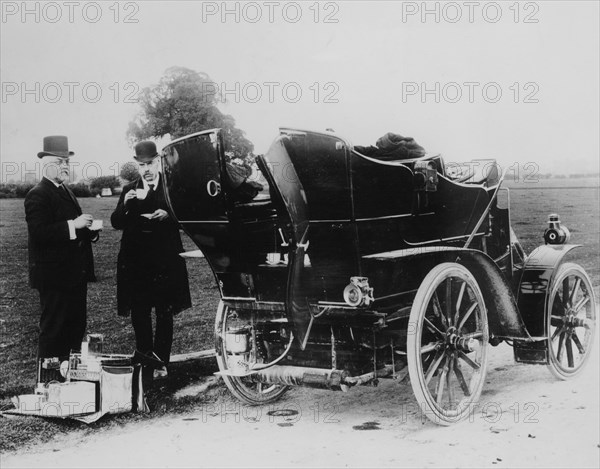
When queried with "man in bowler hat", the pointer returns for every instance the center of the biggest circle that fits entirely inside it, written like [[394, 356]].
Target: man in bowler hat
[[150, 272], [60, 253]]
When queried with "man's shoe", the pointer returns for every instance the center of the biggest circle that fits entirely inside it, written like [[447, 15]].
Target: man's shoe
[[147, 359], [160, 373]]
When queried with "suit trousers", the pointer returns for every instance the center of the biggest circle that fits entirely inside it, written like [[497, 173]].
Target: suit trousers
[[63, 320], [141, 320]]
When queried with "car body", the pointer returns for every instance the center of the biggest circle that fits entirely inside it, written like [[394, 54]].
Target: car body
[[347, 269]]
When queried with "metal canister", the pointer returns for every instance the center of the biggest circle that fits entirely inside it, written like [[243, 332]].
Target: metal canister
[[95, 344], [237, 341]]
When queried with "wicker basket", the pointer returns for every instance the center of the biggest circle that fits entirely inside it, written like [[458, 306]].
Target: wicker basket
[[83, 375]]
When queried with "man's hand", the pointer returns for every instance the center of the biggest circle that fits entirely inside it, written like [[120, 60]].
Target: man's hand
[[83, 221], [130, 195], [159, 215]]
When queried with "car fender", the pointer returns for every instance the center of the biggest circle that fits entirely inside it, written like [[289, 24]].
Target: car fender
[[535, 283]]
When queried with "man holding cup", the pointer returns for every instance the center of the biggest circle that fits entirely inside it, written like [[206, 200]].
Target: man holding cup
[[60, 253], [150, 272]]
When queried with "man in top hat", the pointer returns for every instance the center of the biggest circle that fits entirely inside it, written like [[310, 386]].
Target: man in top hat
[[150, 272], [60, 253]]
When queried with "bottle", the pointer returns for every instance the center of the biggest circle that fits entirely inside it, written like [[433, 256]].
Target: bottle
[[85, 349]]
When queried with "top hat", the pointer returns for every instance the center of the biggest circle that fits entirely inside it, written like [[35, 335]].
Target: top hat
[[56, 145], [145, 151]]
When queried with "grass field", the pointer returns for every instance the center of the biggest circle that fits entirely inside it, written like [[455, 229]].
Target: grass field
[[19, 305], [577, 201]]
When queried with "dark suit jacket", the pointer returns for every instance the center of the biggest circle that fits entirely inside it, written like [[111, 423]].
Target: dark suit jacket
[[149, 268], [54, 260]]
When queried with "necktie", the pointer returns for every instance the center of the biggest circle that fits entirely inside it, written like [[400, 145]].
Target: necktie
[[150, 188]]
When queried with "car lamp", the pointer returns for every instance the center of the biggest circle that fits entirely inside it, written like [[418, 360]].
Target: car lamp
[[556, 233], [358, 292]]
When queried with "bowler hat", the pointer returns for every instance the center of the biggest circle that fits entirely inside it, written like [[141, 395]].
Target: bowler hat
[[56, 145], [145, 151]]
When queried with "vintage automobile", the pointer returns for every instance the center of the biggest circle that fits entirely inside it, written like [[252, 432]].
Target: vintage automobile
[[348, 269]]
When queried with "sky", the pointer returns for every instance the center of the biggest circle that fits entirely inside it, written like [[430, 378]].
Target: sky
[[514, 81]]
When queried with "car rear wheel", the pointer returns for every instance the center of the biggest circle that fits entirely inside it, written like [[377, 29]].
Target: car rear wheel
[[230, 361], [447, 344]]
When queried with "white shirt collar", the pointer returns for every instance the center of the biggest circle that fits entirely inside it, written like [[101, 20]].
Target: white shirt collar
[[155, 182]]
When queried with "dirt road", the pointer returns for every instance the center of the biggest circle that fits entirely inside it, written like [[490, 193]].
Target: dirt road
[[526, 419]]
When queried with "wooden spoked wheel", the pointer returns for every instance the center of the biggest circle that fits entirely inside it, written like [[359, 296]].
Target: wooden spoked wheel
[[447, 344], [572, 321], [242, 387]]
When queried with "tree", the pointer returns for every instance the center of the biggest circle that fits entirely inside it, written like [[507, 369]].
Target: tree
[[129, 171], [99, 183], [183, 102], [81, 189]]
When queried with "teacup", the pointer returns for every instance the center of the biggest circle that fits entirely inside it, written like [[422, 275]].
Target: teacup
[[141, 193], [96, 225]]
